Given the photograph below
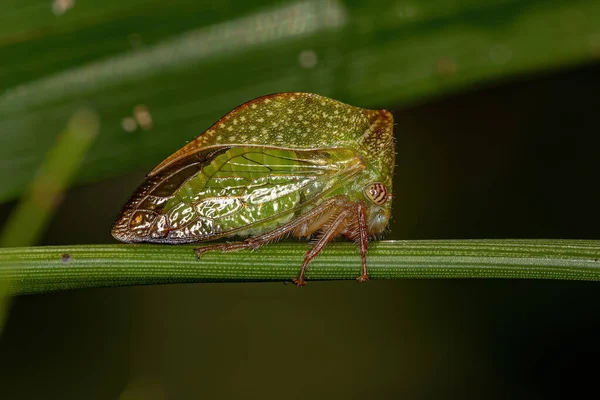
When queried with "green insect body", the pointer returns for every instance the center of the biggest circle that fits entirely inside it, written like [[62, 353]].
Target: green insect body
[[286, 164]]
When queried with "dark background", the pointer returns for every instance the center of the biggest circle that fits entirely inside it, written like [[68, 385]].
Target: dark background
[[512, 158], [514, 161]]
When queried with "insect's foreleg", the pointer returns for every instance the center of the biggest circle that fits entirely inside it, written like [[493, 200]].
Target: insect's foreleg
[[363, 239], [359, 233]]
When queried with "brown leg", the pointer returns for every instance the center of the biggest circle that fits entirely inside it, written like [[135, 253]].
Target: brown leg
[[311, 226], [255, 242], [363, 239], [223, 247], [330, 232]]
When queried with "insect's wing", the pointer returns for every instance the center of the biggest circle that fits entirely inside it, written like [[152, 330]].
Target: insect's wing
[[232, 190], [140, 216]]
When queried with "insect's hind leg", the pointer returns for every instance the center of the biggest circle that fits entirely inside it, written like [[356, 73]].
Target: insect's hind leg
[[255, 242], [223, 247]]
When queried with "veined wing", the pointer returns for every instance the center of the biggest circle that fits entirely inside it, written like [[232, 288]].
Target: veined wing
[[232, 190]]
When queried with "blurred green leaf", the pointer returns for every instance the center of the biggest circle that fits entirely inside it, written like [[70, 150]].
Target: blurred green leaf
[[29, 219], [188, 63], [41, 269]]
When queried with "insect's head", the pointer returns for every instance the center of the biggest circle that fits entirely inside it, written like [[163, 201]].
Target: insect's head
[[379, 207]]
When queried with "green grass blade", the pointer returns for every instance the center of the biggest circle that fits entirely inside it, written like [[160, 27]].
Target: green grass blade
[[42, 269]]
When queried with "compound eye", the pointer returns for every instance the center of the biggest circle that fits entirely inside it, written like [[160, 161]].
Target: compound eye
[[377, 193]]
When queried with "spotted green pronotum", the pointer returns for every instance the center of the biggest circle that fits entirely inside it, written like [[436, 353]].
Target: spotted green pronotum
[[294, 164]]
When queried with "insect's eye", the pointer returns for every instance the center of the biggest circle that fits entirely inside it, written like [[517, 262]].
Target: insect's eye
[[377, 193]]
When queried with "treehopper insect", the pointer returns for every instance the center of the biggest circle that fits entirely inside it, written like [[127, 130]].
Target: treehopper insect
[[288, 164]]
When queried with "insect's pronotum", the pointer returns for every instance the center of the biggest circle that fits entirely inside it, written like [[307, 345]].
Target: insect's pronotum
[[288, 164]]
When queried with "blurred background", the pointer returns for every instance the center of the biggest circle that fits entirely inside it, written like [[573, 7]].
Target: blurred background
[[496, 105]]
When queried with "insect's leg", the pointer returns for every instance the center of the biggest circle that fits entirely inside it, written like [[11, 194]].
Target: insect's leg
[[363, 239], [334, 229], [222, 246], [255, 242], [312, 225]]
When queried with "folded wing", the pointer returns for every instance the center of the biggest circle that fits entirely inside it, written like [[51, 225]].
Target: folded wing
[[232, 190]]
